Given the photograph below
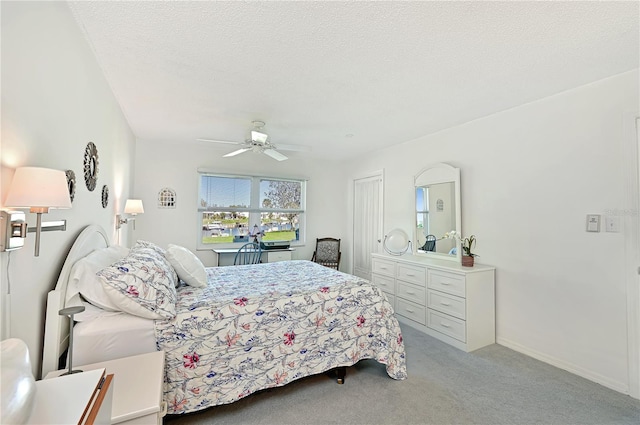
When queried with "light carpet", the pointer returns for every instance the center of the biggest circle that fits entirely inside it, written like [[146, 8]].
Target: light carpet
[[493, 385]]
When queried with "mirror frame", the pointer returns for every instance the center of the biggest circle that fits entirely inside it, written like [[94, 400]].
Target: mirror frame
[[435, 174]]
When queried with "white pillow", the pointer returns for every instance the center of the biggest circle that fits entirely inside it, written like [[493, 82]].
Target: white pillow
[[83, 278], [189, 267], [142, 284]]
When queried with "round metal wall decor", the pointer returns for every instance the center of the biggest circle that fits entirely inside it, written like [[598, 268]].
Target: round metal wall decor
[[105, 196], [91, 166], [71, 183]]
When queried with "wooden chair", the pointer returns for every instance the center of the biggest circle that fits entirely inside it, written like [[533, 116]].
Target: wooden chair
[[249, 253], [327, 252]]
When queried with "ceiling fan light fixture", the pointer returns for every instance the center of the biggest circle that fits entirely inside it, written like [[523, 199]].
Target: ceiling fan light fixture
[[256, 136], [259, 143]]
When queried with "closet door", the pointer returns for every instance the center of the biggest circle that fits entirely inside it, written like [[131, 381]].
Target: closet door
[[367, 222]]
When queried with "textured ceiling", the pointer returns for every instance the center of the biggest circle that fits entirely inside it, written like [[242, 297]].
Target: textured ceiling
[[381, 72]]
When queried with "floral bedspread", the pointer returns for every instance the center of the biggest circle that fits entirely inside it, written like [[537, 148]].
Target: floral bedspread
[[262, 326]]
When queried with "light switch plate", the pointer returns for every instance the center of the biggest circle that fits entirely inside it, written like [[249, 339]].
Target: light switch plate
[[612, 223], [593, 222]]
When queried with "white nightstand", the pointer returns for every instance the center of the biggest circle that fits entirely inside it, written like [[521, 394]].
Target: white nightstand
[[137, 387], [81, 398]]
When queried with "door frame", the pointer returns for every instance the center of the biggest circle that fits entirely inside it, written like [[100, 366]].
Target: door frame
[[630, 217], [379, 174]]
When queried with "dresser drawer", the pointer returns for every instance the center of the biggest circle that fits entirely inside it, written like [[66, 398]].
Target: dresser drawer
[[450, 283], [152, 419], [411, 292], [412, 274], [448, 325], [387, 268], [410, 310], [454, 306], [386, 283]]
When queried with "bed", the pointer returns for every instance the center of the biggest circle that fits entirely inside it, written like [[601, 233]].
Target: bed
[[248, 328]]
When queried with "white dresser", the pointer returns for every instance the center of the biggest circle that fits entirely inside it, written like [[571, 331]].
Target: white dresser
[[441, 298]]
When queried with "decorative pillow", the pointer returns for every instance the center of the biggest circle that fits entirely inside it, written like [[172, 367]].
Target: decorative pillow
[[83, 278], [142, 284], [147, 244], [189, 267], [159, 250]]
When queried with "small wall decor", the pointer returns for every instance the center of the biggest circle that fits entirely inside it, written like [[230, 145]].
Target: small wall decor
[[91, 166], [71, 183], [105, 196], [167, 198], [439, 205]]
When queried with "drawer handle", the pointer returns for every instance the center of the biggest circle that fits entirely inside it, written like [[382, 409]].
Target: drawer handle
[[410, 310], [383, 267], [444, 283], [410, 274], [444, 303], [410, 292], [444, 325]]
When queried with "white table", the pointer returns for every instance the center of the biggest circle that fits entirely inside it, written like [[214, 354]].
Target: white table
[[137, 389], [227, 255]]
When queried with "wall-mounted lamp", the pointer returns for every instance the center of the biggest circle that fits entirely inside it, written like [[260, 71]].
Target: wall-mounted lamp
[[133, 207], [39, 189]]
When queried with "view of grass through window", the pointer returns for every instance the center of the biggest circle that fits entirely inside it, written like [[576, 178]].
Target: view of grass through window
[[234, 209]]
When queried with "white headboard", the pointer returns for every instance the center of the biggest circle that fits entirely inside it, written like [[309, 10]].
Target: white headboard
[[56, 329]]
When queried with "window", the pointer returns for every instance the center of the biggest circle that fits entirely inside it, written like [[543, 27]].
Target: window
[[422, 209], [234, 208]]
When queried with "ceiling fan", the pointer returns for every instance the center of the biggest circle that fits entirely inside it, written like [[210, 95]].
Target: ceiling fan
[[258, 143]]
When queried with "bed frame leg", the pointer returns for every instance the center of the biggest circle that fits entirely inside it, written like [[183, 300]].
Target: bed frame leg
[[341, 372]]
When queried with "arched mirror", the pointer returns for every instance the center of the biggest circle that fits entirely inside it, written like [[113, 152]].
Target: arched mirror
[[438, 211]]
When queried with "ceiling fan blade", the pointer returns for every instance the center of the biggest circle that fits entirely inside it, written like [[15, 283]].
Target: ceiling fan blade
[[275, 154], [256, 136], [294, 148], [220, 141], [237, 152]]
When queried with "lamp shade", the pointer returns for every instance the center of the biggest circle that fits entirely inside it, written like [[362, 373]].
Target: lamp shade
[[133, 206], [38, 189]]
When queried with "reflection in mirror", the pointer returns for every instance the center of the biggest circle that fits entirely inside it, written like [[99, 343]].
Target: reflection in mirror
[[437, 208], [436, 215]]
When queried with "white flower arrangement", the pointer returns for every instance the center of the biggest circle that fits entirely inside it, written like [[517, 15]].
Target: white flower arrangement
[[467, 243]]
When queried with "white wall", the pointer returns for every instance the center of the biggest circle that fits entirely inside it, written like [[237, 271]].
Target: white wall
[[160, 165], [529, 177], [54, 101]]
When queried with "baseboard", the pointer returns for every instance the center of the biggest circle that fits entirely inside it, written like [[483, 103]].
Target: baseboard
[[621, 387]]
